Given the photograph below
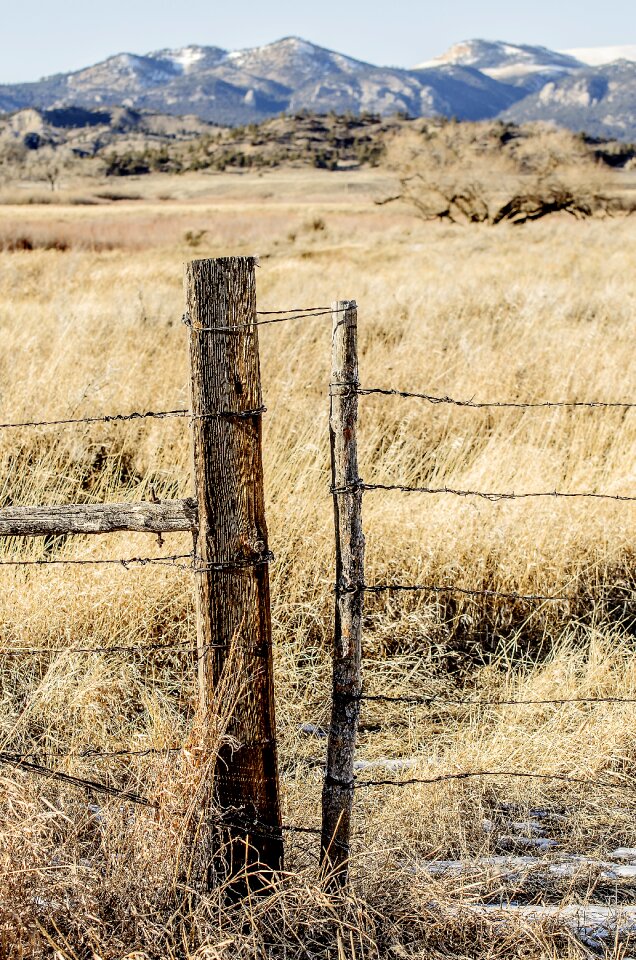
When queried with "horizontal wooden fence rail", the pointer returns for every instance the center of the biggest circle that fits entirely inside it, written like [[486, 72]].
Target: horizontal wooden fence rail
[[165, 516]]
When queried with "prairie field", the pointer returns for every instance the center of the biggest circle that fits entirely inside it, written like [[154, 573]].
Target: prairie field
[[90, 323]]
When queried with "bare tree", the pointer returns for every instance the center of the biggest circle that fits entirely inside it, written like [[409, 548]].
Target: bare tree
[[495, 173]]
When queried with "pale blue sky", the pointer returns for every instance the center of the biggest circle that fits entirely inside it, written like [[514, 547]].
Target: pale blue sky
[[40, 37]]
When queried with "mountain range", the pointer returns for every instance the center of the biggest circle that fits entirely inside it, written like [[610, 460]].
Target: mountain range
[[592, 90]]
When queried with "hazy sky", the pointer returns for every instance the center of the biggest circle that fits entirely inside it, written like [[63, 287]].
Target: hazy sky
[[41, 37]]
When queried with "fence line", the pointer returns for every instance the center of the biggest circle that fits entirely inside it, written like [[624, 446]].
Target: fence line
[[234, 817], [493, 497], [472, 774], [347, 490], [17, 762], [91, 753], [108, 418], [391, 392], [242, 820], [305, 315], [125, 562], [184, 647], [293, 310], [470, 592], [433, 699]]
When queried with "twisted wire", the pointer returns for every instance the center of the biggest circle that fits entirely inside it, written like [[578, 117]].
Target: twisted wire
[[246, 821], [464, 591], [109, 418], [367, 391], [473, 774], [125, 562], [493, 497], [304, 315], [142, 648], [458, 701]]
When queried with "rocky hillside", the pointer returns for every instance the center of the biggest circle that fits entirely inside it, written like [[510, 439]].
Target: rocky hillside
[[600, 100], [123, 142], [474, 80]]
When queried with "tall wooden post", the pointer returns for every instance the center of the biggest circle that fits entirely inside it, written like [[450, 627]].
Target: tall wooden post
[[337, 797], [233, 602]]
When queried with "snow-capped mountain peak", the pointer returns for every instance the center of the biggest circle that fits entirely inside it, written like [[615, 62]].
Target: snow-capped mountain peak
[[189, 59], [517, 64], [600, 56]]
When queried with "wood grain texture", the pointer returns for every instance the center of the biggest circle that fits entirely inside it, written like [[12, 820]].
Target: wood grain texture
[[234, 623], [337, 797], [166, 516]]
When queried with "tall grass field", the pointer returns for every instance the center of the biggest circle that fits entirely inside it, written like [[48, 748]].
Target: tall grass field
[[90, 323]]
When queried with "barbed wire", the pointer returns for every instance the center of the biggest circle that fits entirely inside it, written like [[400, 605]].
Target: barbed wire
[[493, 497], [108, 418], [125, 562], [93, 753], [269, 313], [367, 391], [230, 414], [433, 699], [142, 648], [344, 588], [247, 822], [196, 566], [304, 315], [97, 786], [160, 415], [473, 774]]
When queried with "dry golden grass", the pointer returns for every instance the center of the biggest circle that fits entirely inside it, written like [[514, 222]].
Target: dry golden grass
[[542, 312]]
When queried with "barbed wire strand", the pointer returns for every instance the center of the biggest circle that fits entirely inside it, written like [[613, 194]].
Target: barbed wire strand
[[468, 592], [367, 391], [108, 418], [161, 415], [142, 648], [93, 753], [125, 562], [196, 566], [248, 824], [493, 497], [97, 786], [270, 313], [433, 699], [472, 774], [305, 315]]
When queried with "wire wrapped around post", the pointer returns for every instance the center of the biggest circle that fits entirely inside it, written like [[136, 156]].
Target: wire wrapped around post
[[337, 797]]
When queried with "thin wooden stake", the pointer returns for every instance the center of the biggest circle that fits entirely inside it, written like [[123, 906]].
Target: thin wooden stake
[[233, 606], [337, 797]]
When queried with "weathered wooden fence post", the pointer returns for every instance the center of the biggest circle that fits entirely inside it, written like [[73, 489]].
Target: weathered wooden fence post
[[337, 797], [231, 557]]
